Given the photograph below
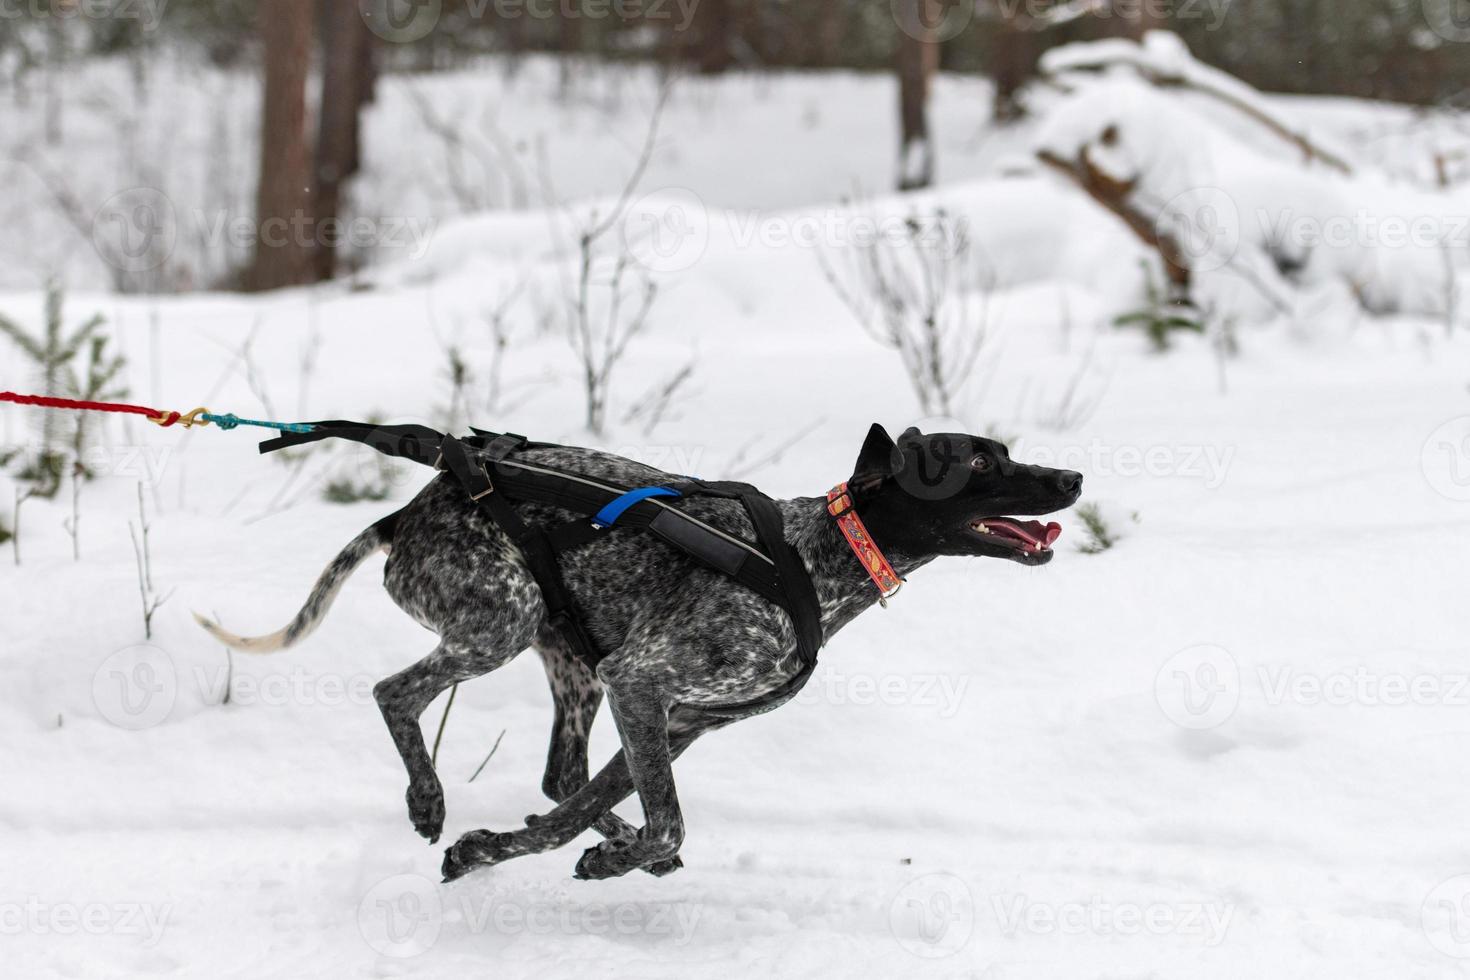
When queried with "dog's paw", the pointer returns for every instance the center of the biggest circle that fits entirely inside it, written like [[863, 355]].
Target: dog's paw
[[616, 857], [607, 860], [477, 849], [661, 868], [426, 809]]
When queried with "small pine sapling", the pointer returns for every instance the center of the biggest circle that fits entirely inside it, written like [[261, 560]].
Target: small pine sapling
[[1161, 316], [1100, 537], [98, 383], [53, 353]]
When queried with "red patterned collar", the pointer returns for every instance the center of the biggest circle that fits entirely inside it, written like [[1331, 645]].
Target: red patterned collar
[[879, 569]]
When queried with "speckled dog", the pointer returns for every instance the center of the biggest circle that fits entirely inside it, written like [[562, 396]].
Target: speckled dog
[[686, 644]]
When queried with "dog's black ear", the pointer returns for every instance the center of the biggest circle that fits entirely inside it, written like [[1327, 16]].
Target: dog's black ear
[[879, 460]]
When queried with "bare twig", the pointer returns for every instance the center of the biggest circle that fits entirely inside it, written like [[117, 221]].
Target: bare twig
[[740, 467], [599, 344], [73, 525], [455, 137], [497, 319], [654, 405], [443, 720], [488, 757], [20, 498], [141, 553], [915, 296]]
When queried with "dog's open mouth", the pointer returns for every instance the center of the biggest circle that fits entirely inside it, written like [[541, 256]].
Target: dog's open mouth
[[1027, 537]]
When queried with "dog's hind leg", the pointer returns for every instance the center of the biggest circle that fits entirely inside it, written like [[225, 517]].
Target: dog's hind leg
[[577, 695], [403, 697]]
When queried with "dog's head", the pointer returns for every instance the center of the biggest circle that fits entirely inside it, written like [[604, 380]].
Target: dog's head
[[953, 494]]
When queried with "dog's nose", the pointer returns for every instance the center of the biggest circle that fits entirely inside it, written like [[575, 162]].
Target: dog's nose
[[1069, 482]]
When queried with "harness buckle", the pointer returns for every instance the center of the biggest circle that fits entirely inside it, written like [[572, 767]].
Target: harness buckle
[[489, 486]]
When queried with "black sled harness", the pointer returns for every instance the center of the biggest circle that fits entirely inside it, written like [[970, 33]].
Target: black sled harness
[[484, 465]]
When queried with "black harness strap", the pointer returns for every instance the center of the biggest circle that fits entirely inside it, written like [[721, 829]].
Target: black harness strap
[[773, 570], [533, 542]]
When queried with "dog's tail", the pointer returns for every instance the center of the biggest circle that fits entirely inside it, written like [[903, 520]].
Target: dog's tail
[[376, 538]]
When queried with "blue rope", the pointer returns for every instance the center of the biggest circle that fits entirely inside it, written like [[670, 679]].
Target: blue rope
[[228, 422]]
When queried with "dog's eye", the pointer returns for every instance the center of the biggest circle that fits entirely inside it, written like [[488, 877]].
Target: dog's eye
[[982, 463]]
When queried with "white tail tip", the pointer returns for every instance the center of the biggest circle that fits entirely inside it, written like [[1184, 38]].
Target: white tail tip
[[246, 644]]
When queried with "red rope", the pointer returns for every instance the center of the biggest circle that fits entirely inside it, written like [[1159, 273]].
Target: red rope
[[163, 418]]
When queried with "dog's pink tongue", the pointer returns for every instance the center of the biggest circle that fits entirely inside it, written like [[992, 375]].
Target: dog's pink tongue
[[1038, 534], [1041, 534]]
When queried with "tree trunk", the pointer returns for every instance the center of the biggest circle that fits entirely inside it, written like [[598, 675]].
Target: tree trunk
[[283, 201], [1135, 21], [918, 60], [716, 25], [1011, 65], [829, 33], [569, 45], [346, 58]]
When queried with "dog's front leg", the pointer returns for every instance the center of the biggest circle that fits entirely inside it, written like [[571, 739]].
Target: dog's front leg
[[642, 717], [578, 694], [613, 784]]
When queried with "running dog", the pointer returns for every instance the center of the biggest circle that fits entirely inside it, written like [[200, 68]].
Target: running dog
[[688, 647]]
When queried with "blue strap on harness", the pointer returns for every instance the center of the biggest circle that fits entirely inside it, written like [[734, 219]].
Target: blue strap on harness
[[609, 515]]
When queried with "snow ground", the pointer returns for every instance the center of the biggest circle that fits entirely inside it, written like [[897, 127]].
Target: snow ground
[[1230, 746]]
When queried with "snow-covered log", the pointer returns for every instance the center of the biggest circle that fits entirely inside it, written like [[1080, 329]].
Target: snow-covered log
[[1242, 211], [1163, 60]]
